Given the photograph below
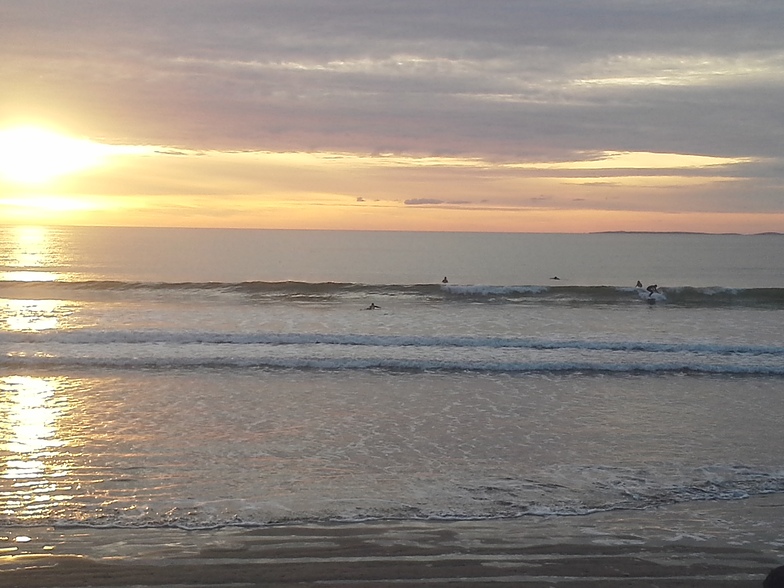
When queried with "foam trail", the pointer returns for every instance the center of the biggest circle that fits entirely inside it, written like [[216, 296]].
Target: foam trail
[[85, 337]]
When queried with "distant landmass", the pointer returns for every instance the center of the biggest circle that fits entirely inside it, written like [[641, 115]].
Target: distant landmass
[[679, 233]]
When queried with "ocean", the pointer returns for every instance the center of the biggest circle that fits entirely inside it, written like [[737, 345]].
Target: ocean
[[201, 379]]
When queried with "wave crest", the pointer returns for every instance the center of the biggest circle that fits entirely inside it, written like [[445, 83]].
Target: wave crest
[[691, 296]]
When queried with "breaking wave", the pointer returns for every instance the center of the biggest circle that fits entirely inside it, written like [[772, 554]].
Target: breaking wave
[[716, 296], [155, 349]]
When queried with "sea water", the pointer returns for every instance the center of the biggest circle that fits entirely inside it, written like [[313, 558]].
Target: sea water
[[207, 378]]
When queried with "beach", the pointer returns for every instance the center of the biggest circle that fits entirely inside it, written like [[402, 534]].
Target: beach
[[229, 413], [669, 546]]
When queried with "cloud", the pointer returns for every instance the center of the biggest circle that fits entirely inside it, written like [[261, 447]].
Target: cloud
[[422, 201], [434, 202], [491, 82], [440, 77]]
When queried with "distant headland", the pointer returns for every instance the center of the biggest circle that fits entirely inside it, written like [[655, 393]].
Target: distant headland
[[681, 233]]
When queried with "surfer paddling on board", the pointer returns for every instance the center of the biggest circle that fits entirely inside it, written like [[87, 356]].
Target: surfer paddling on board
[[373, 306]]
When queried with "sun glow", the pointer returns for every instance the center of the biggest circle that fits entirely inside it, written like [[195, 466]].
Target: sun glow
[[33, 155], [50, 203]]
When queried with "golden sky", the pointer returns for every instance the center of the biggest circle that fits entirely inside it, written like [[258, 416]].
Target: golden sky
[[500, 117]]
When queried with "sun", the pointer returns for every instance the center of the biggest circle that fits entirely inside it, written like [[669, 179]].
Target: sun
[[34, 155]]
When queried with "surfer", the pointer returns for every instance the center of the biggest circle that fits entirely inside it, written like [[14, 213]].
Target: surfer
[[639, 284], [444, 281], [555, 278], [372, 306], [653, 289]]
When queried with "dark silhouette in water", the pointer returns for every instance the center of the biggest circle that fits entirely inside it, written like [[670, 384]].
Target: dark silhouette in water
[[444, 281], [372, 306], [775, 578], [639, 284], [652, 289]]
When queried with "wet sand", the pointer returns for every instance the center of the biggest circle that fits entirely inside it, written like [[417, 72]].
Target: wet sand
[[716, 544]]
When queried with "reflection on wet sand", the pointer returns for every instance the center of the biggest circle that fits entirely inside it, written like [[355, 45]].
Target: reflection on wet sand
[[32, 457]]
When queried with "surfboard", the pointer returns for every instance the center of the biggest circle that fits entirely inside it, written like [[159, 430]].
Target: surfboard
[[650, 298]]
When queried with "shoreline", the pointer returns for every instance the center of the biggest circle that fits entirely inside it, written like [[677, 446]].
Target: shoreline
[[698, 544]]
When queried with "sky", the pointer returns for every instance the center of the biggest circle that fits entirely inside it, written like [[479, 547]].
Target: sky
[[433, 115]]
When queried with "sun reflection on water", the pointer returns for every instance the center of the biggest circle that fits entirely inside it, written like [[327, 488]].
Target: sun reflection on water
[[30, 257], [28, 276], [32, 315], [32, 457], [32, 254], [32, 247]]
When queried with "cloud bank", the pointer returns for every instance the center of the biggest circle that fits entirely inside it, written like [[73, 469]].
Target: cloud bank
[[536, 89]]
